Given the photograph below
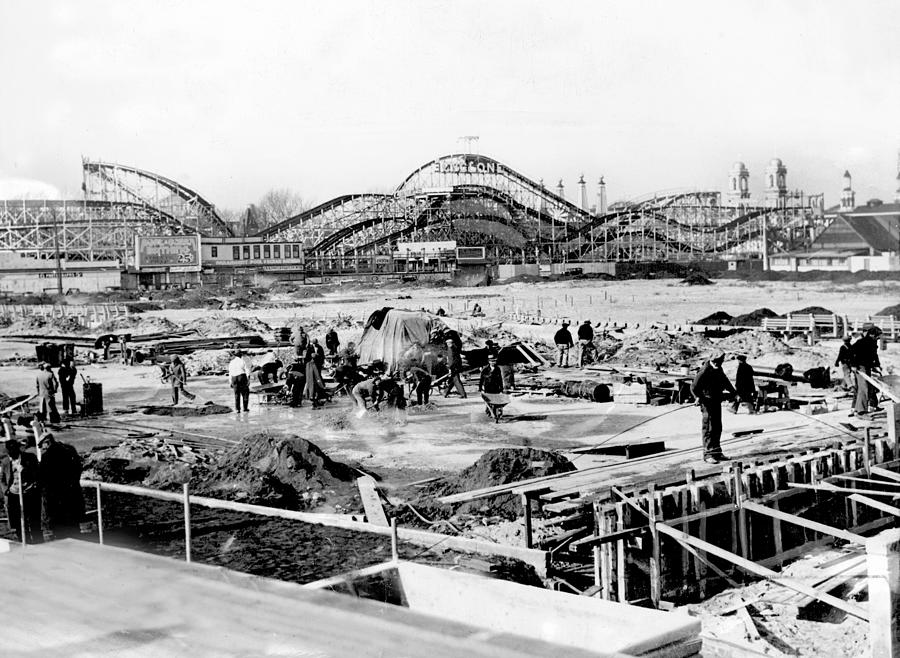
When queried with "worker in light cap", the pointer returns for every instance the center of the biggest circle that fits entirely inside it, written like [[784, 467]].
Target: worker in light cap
[[709, 387], [845, 361]]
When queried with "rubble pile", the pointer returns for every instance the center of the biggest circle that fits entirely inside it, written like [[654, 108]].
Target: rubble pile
[[223, 325], [152, 462], [207, 362], [44, 325], [137, 324], [754, 344], [657, 348]]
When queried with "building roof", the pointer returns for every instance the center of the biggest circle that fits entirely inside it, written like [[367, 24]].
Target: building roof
[[877, 209], [848, 232], [875, 234]]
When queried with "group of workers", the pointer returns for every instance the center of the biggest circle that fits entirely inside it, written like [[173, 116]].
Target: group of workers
[[564, 344], [47, 384], [42, 489], [711, 387]]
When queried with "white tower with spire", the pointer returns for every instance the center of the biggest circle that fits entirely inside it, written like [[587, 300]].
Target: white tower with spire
[[738, 193], [601, 197], [560, 190], [582, 197], [848, 196], [776, 183]]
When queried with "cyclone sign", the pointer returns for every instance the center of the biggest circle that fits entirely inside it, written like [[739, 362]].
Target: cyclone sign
[[176, 253]]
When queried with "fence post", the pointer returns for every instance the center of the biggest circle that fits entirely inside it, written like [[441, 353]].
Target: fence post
[[187, 524], [99, 514], [395, 549], [883, 564]]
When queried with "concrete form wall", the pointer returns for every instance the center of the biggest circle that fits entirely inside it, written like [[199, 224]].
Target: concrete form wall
[[45, 281]]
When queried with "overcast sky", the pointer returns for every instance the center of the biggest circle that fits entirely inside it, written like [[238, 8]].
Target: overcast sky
[[332, 97]]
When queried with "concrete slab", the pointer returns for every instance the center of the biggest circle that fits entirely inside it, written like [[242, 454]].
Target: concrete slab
[[74, 598]]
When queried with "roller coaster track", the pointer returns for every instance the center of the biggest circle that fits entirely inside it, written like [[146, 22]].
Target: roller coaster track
[[109, 172], [306, 217]]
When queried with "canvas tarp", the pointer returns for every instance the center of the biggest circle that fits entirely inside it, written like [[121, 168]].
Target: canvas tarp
[[399, 334]]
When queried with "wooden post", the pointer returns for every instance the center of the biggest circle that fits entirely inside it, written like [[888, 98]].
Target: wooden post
[[526, 510], [21, 508], [655, 575], [99, 515], [883, 562], [893, 428], [606, 557], [38, 428], [867, 452], [621, 586], [598, 570], [187, 524], [395, 547], [741, 512]]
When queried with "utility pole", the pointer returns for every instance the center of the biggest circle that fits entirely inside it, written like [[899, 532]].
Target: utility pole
[[59, 285]]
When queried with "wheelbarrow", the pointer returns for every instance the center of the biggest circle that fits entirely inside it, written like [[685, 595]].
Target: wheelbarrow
[[494, 403]]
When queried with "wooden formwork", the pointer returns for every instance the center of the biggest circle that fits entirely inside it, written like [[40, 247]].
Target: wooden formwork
[[752, 517]]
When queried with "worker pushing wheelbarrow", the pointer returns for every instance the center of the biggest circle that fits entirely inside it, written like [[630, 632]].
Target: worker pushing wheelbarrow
[[491, 387]]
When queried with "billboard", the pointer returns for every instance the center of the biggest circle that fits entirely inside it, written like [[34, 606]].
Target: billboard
[[174, 253]]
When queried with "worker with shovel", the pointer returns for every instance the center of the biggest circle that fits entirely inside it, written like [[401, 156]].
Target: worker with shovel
[[179, 379]]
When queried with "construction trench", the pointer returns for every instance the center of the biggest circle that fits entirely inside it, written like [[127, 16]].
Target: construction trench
[[635, 525]]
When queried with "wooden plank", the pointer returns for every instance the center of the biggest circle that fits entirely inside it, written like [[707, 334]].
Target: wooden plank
[[371, 502], [877, 504], [805, 523], [612, 537], [883, 472], [825, 486], [752, 567]]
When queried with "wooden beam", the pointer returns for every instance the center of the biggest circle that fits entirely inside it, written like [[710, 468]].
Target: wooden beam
[[752, 567], [877, 504], [883, 472], [881, 386], [371, 503], [830, 488], [599, 540], [805, 523], [866, 480]]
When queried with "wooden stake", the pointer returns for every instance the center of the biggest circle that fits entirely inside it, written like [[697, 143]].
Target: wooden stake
[[655, 576], [187, 524], [99, 514], [741, 513], [395, 547], [621, 586], [526, 510]]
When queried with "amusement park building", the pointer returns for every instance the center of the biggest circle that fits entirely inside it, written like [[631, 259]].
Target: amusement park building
[[460, 210]]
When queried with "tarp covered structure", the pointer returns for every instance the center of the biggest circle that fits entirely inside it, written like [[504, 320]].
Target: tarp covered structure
[[391, 334]]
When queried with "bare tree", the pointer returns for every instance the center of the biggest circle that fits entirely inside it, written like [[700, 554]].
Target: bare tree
[[278, 204]]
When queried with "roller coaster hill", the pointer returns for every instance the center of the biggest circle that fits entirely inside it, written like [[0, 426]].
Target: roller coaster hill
[[460, 210]]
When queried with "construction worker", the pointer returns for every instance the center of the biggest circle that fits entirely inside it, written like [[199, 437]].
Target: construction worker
[[269, 368], [420, 383], [708, 387], [866, 364], [744, 385], [491, 380], [47, 385], [585, 342], [332, 342], [368, 389], [319, 354], [60, 474], [20, 486], [66, 374], [300, 340], [239, 369], [564, 342], [314, 390], [454, 364], [178, 376], [295, 381], [392, 394], [845, 361]]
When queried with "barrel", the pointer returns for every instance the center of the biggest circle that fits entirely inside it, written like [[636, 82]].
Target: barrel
[[588, 389], [93, 399]]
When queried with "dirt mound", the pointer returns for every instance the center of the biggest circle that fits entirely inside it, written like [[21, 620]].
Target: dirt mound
[[890, 310], [222, 325], [717, 318], [753, 318], [500, 466], [208, 362], [285, 472], [753, 344], [137, 324], [697, 279], [656, 348], [812, 310], [208, 409]]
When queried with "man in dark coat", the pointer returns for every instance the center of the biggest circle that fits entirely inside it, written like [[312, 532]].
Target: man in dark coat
[[585, 341], [866, 362], [66, 374], [295, 380], [744, 385], [332, 342], [708, 387], [19, 481], [564, 342], [179, 379], [845, 361], [47, 385], [60, 472], [454, 363], [491, 380]]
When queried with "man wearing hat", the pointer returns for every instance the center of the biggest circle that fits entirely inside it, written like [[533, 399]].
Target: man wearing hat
[[60, 472], [708, 387], [866, 362], [845, 361], [454, 364], [46, 391], [744, 385], [585, 341], [19, 484], [564, 343], [179, 379]]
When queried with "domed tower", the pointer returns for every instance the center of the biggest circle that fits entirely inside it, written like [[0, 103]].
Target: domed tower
[[601, 197], [897, 193], [738, 193], [776, 183], [560, 190], [848, 196]]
